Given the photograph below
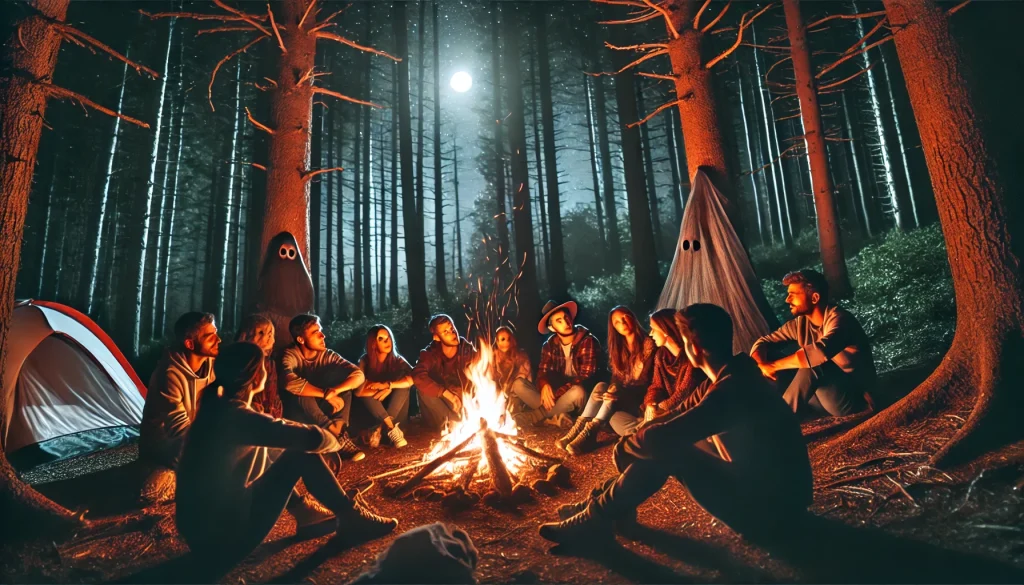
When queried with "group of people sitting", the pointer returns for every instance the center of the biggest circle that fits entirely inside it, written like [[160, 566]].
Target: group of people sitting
[[241, 426]]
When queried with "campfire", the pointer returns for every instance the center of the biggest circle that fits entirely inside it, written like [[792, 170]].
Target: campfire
[[483, 448]]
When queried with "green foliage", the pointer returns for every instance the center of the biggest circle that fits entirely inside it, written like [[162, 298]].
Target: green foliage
[[597, 298], [775, 261]]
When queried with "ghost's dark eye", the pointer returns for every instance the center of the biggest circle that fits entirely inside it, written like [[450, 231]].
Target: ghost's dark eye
[[686, 244], [283, 252], [696, 245], [291, 253]]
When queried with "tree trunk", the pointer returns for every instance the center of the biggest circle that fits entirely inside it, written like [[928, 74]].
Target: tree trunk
[[611, 215], [534, 107], [559, 286], [592, 143], [382, 282], [414, 253], [365, 168], [645, 262], [393, 288], [357, 221], [750, 156], [420, 81], [525, 260], [652, 189], [505, 265], [316, 193], [343, 313], [855, 162], [899, 140], [458, 207], [771, 141], [225, 315], [673, 163], [327, 302], [94, 230], [32, 49], [829, 238], [980, 220], [698, 110], [439, 270], [43, 220]]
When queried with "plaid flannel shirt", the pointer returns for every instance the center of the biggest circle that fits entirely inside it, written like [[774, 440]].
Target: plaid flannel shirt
[[585, 355]]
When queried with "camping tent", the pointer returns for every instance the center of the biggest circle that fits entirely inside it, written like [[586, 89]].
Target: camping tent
[[711, 266], [67, 389]]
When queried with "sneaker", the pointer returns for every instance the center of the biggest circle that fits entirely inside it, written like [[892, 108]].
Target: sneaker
[[567, 438], [361, 524], [586, 440], [373, 438], [158, 487], [622, 522], [348, 449], [586, 527], [309, 512], [397, 437]]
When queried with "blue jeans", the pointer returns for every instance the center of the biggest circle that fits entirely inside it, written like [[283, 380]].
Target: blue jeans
[[571, 400], [597, 408]]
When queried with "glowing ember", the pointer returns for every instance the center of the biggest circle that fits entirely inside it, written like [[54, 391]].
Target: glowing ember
[[482, 405]]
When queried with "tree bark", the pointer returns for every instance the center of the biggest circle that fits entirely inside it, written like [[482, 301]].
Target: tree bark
[[592, 143], [439, 253], [365, 169], [414, 253], [829, 239], [226, 314], [316, 193], [393, 287], [750, 156], [855, 162], [904, 163], [771, 142], [500, 216], [525, 261], [343, 313], [327, 303], [382, 269], [981, 222], [610, 213], [537, 150], [652, 189], [673, 163], [357, 219], [458, 206]]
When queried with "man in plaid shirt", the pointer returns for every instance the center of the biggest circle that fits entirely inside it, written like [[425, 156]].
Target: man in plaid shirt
[[569, 361]]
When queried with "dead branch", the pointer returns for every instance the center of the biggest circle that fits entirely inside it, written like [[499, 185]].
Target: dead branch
[[845, 17], [259, 166], [776, 64], [957, 8], [659, 110], [277, 33], [355, 45], [744, 23], [636, 19], [668, 17], [903, 491], [641, 47], [305, 14], [305, 77], [469, 472], [871, 475], [634, 3], [429, 468], [499, 473], [216, 68], [258, 125], [251, 19], [57, 92], [773, 161], [332, 16], [69, 32], [218, 29], [307, 175], [851, 56], [835, 84], [790, 117], [650, 55], [656, 76], [515, 446], [344, 97], [398, 471], [700, 11], [712, 24], [192, 16]]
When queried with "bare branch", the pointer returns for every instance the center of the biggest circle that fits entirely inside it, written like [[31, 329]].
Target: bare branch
[[307, 175], [712, 24], [650, 55], [258, 125], [193, 16], [790, 117], [696, 18], [668, 17], [835, 84], [957, 8], [846, 17], [258, 166], [218, 29], [660, 109], [305, 14], [251, 19], [773, 161], [72, 33], [354, 45], [776, 64], [644, 17], [228, 57], [744, 23], [656, 76], [635, 3], [57, 92], [642, 47], [344, 97], [852, 55], [277, 33]]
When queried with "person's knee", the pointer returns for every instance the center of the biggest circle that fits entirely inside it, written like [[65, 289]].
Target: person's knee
[[576, 395]]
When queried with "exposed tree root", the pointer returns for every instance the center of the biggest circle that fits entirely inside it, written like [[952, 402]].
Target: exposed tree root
[[27, 513]]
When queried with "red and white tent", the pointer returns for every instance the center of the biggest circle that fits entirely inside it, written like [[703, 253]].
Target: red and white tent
[[67, 388]]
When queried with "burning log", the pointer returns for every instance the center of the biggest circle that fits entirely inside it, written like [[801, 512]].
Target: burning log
[[469, 472], [413, 481], [499, 473], [516, 446]]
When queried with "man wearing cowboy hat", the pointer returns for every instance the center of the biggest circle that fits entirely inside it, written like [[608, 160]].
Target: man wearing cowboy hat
[[569, 361]]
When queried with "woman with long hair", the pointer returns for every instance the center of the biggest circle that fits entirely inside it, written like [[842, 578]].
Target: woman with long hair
[[513, 374], [259, 330], [631, 360], [388, 377], [228, 495]]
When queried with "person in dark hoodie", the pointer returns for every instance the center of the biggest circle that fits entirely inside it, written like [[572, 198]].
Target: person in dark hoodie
[[229, 495], [733, 445], [172, 399], [440, 373]]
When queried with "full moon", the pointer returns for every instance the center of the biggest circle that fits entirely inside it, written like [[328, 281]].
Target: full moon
[[461, 82]]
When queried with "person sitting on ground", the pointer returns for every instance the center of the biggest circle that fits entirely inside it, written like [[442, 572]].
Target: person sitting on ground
[[229, 495], [259, 330], [569, 362], [440, 373], [173, 397], [513, 375], [314, 378], [732, 444], [834, 366], [674, 378], [388, 377], [631, 360]]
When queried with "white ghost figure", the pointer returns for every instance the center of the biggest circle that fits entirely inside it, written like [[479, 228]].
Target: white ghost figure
[[711, 266]]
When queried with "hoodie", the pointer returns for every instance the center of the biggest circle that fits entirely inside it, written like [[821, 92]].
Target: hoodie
[[171, 405]]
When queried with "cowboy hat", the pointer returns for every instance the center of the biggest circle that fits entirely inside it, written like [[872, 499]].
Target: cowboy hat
[[549, 308]]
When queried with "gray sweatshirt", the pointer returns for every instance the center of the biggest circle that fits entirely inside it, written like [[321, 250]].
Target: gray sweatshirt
[[171, 403]]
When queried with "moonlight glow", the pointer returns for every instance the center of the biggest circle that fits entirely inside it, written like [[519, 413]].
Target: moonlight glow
[[461, 82]]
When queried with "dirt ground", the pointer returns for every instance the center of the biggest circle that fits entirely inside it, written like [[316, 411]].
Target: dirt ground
[[858, 533]]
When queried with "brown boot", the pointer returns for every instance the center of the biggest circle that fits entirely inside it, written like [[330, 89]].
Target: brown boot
[[567, 438], [529, 418], [586, 440]]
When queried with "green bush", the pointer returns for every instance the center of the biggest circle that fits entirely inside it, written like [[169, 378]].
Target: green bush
[[604, 292]]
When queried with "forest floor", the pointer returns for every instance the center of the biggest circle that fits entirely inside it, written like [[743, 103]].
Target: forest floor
[[936, 533]]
